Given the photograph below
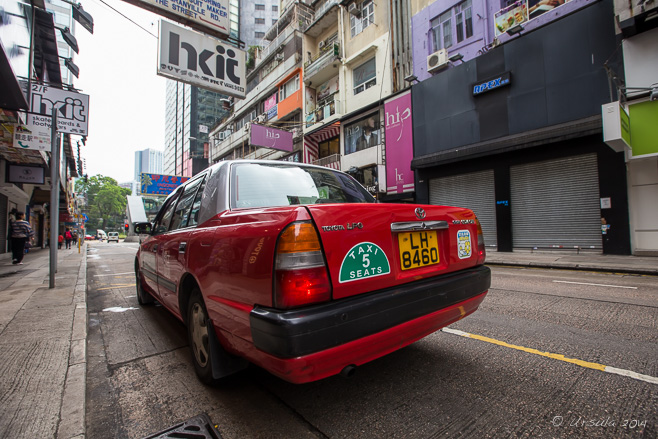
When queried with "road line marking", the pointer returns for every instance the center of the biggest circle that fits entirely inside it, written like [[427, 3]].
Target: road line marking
[[115, 286], [115, 274], [594, 285], [581, 363]]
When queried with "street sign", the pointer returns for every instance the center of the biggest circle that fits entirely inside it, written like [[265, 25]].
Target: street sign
[[32, 137], [73, 108]]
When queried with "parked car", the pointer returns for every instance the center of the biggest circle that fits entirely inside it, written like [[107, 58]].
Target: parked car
[[298, 270], [113, 236], [88, 238]]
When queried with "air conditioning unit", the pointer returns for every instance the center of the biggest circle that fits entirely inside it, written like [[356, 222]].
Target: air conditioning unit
[[354, 9], [246, 127], [261, 118], [279, 57], [437, 60], [321, 44], [224, 134]]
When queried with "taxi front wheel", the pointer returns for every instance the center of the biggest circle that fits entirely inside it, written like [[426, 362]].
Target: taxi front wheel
[[198, 326]]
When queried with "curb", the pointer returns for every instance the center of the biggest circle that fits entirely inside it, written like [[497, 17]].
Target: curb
[[574, 267], [72, 411]]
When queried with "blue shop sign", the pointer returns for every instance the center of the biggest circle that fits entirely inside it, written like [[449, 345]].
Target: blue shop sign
[[492, 84]]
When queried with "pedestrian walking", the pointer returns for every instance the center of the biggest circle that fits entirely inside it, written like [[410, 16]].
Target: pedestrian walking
[[21, 232], [68, 237], [60, 240]]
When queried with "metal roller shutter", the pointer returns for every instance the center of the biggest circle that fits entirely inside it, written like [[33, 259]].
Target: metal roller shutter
[[3, 223], [474, 191], [556, 204]]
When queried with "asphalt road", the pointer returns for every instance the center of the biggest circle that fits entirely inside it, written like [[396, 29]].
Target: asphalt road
[[550, 353]]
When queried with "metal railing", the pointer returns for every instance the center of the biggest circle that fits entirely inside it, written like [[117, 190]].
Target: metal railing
[[326, 161], [329, 52], [321, 10], [323, 112]]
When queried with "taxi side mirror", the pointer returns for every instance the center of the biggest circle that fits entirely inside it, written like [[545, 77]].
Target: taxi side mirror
[[143, 228]]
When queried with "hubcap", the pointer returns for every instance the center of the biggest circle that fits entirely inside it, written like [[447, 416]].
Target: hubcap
[[199, 330]]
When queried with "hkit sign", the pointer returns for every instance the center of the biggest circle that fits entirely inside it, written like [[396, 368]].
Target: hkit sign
[[200, 60], [73, 108]]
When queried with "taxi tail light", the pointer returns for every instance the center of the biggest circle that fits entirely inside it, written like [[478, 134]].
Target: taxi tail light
[[301, 276], [482, 253]]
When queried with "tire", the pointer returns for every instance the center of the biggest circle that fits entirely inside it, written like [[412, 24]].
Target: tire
[[198, 326], [143, 298]]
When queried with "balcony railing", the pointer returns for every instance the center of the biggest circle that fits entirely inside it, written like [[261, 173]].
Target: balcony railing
[[323, 112], [321, 10], [318, 60], [327, 161]]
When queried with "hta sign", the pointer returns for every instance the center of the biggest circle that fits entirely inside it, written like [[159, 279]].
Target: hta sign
[[197, 59], [492, 84]]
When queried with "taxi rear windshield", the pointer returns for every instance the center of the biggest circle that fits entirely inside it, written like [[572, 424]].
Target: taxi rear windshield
[[271, 185]]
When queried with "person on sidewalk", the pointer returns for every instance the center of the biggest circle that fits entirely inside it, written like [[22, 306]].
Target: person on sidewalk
[[68, 236], [21, 232], [60, 240]]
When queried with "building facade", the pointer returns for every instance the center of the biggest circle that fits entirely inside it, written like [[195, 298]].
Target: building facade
[[516, 132], [190, 114], [33, 53], [150, 161], [638, 28]]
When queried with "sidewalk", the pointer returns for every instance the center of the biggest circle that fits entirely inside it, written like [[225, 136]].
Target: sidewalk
[[43, 345], [647, 265], [43, 333]]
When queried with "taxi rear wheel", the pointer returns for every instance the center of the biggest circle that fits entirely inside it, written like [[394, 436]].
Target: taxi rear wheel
[[198, 327], [143, 298]]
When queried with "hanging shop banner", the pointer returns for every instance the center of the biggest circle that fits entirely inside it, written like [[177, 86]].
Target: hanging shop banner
[[26, 174], [209, 16], [200, 60], [73, 114], [270, 138], [158, 184], [32, 137], [398, 132]]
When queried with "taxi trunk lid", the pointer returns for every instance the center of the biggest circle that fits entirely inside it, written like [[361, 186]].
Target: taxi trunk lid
[[369, 247]]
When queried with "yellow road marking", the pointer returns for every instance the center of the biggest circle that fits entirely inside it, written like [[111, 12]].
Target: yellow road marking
[[560, 357]]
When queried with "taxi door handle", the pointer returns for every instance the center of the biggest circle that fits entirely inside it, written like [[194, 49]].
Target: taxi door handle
[[181, 247]]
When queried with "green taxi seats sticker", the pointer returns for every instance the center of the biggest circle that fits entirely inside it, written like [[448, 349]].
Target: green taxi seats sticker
[[362, 261]]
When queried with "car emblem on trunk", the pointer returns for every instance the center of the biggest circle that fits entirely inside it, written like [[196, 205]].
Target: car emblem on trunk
[[420, 213]]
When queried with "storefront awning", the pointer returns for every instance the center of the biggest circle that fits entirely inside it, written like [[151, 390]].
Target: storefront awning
[[551, 134]]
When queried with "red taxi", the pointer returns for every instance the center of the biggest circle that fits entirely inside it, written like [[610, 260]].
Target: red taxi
[[297, 269]]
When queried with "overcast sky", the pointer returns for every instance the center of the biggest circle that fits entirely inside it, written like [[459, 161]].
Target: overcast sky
[[126, 97]]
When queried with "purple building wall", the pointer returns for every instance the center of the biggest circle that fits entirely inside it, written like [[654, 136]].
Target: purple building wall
[[483, 29]]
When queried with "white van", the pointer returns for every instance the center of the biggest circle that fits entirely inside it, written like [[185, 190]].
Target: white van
[[100, 234]]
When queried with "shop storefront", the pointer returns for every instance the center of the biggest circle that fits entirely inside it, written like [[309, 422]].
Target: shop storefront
[[515, 134]]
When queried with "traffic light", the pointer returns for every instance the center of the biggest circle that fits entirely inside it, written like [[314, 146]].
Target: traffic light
[[127, 226]]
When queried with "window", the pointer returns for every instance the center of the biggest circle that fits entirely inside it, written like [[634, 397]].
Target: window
[[442, 31], [357, 24], [328, 148], [196, 207], [260, 21], [260, 7], [182, 212], [365, 76], [161, 224], [259, 35], [362, 134], [289, 88], [268, 185], [274, 20], [275, 8], [464, 21]]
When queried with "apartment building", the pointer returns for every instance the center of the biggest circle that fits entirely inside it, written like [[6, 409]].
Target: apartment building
[[274, 103]]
